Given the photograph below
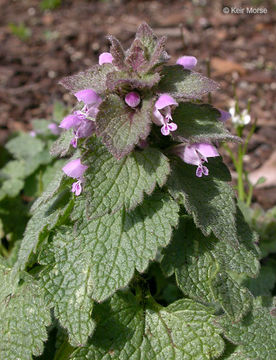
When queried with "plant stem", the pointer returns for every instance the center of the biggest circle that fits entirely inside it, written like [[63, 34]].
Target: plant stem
[[240, 173], [64, 351]]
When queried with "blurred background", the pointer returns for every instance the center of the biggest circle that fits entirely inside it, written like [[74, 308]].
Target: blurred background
[[44, 40]]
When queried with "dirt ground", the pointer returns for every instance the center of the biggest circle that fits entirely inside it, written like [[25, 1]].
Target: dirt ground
[[240, 47]]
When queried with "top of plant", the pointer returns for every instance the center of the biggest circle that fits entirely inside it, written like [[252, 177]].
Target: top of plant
[[129, 92]]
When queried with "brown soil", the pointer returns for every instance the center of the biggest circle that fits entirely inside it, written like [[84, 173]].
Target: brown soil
[[241, 49]]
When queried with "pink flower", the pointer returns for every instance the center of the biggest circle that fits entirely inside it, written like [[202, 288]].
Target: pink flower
[[132, 99], [88, 96], [162, 113], [105, 58], [196, 154], [188, 62], [75, 169], [224, 115], [80, 120]]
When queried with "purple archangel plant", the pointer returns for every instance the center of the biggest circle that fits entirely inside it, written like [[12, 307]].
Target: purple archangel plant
[[137, 245]]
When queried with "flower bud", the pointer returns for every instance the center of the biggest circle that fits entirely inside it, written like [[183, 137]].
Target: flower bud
[[132, 99]]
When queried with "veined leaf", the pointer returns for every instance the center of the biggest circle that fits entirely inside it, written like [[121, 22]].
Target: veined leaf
[[133, 330], [201, 272], [121, 127], [111, 184], [111, 247], [24, 317], [46, 217], [210, 200], [255, 334], [200, 123], [185, 84], [93, 78]]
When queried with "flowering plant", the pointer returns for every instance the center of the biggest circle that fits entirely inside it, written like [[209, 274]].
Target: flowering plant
[[138, 244]]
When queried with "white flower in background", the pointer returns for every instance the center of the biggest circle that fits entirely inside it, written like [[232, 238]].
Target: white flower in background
[[240, 120]]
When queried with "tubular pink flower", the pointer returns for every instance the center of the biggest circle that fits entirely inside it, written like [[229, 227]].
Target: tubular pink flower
[[132, 99], [74, 169], [164, 100], [70, 121], [105, 58], [88, 96], [77, 188], [196, 154], [224, 115], [188, 62], [162, 113], [81, 120]]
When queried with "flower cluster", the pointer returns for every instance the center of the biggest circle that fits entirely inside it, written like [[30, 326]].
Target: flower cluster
[[130, 76]]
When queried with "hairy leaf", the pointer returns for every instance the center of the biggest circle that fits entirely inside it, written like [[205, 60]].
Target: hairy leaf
[[24, 146], [147, 38], [46, 217], [133, 330], [111, 184], [67, 283], [112, 246], [121, 127], [154, 49], [210, 200], [266, 280], [52, 187], [61, 146], [199, 123], [117, 52], [118, 79], [93, 78], [255, 334], [201, 272], [24, 317], [181, 83], [135, 58]]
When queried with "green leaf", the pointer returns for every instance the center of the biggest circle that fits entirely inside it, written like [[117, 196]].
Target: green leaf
[[11, 188], [24, 317], [147, 38], [40, 126], [235, 300], [111, 184], [121, 127], [201, 272], [181, 83], [210, 200], [46, 217], [266, 280], [61, 146], [53, 186], [232, 352], [153, 48], [93, 78], [113, 246], [59, 111], [14, 216], [135, 57], [200, 123], [255, 334], [133, 330], [24, 146], [68, 291], [117, 52]]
